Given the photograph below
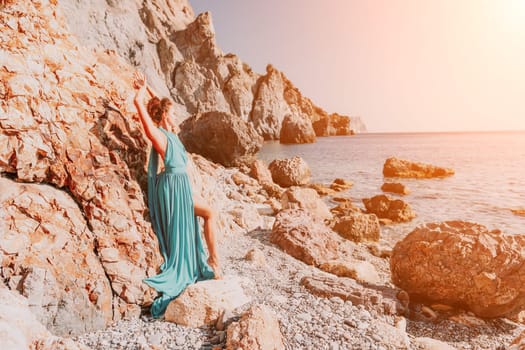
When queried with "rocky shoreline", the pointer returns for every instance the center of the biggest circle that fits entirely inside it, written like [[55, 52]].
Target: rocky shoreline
[[75, 238]]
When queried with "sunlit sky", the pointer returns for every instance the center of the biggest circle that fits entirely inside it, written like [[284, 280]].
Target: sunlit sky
[[402, 65]]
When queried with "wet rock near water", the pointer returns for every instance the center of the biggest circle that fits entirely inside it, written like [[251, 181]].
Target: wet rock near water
[[333, 125], [358, 227], [295, 129], [395, 167], [395, 187], [307, 199], [385, 207]]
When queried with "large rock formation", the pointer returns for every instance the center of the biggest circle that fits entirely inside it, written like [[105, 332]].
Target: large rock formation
[[333, 125], [394, 167], [180, 56], [463, 264], [295, 129], [221, 137]]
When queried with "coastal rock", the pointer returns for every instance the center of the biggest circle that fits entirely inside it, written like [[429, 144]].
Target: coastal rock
[[203, 302], [295, 129], [395, 187], [390, 335], [230, 141], [333, 125], [321, 189], [361, 271], [395, 167], [519, 212], [462, 263], [256, 256], [326, 286], [290, 172], [341, 185], [358, 227], [346, 208], [387, 208], [307, 199], [258, 329], [48, 255], [297, 233], [20, 328]]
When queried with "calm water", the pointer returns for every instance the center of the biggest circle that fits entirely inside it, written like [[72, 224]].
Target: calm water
[[489, 179]]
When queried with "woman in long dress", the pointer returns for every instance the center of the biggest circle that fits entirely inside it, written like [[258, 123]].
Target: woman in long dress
[[173, 209]]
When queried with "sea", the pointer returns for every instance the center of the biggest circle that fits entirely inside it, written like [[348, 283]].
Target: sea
[[489, 177]]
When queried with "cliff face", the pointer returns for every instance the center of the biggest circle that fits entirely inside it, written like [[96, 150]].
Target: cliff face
[[179, 53]]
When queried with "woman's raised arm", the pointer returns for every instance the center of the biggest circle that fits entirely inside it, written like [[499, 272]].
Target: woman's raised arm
[[157, 137]]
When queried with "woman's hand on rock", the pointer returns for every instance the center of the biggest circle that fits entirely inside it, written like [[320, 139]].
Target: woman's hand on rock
[[139, 80]]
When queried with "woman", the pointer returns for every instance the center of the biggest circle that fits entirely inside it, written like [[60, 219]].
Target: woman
[[173, 210]]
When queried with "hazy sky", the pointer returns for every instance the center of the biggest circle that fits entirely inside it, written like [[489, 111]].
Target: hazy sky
[[402, 65]]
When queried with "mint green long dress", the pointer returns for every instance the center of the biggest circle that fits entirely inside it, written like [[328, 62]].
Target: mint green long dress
[[171, 210]]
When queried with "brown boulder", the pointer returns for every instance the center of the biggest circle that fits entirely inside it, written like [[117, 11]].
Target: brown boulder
[[295, 129], [387, 208], [341, 185], [321, 189], [361, 271], [290, 172], [260, 172], [394, 187], [297, 233], [220, 137], [258, 329], [358, 227], [462, 264], [202, 303], [394, 167], [307, 199]]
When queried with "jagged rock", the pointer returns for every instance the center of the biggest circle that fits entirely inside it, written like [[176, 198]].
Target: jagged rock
[[297, 233], [229, 140], [295, 129], [20, 328], [290, 172], [258, 329], [348, 289], [307, 199], [394, 187], [48, 255], [345, 208], [358, 227], [387, 208], [361, 271], [403, 168], [203, 302], [333, 125], [260, 172], [462, 263], [357, 125]]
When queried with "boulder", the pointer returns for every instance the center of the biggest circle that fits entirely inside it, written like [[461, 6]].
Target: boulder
[[345, 208], [394, 167], [307, 199], [295, 129], [341, 185], [220, 137], [519, 212], [305, 238], [333, 125], [321, 189], [258, 329], [395, 187], [358, 227], [290, 172], [390, 336], [203, 303], [462, 264], [387, 208]]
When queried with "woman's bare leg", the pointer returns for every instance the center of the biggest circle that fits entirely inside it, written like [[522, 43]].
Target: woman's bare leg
[[209, 215]]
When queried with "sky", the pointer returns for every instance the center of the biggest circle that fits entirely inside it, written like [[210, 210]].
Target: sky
[[402, 65]]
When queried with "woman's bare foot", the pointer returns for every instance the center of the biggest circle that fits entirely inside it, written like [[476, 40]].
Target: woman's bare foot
[[214, 264]]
